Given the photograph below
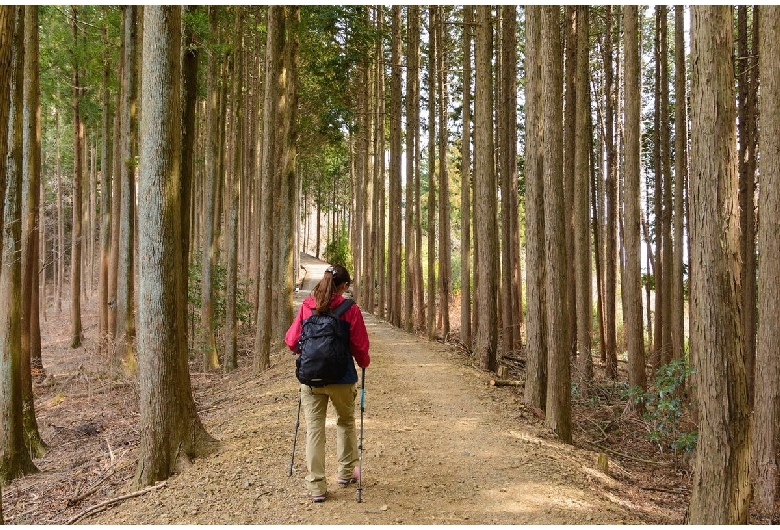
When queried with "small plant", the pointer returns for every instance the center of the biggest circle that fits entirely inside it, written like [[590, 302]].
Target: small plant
[[665, 407]]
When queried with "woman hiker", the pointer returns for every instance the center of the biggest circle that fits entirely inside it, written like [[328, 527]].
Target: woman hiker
[[327, 296]]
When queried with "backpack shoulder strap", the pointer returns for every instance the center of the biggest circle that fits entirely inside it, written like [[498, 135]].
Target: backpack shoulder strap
[[342, 308]]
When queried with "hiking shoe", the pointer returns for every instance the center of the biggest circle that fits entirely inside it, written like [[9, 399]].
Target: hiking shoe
[[352, 480], [318, 498]]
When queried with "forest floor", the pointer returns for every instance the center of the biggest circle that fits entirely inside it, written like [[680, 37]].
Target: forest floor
[[441, 446]]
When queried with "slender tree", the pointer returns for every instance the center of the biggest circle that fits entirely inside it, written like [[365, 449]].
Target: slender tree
[[105, 188], [445, 248], [721, 487], [610, 264], [213, 180], [432, 165], [536, 328], [412, 136], [765, 436], [271, 122], [394, 200], [580, 198], [465, 185], [31, 177], [746, 167], [485, 219], [16, 458], [511, 312], [558, 406], [632, 281], [125, 325], [169, 425], [76, 233], [234, 186]]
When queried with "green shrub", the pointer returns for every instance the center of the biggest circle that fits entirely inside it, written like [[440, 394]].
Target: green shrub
[[665, 406]]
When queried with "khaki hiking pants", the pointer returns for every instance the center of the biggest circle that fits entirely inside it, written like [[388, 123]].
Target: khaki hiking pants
[[315, 406]]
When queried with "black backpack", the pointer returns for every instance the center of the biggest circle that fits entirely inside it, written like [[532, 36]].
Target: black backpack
[[324, 347]]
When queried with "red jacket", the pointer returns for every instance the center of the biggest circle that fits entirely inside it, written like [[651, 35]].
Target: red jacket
[[358, 336]]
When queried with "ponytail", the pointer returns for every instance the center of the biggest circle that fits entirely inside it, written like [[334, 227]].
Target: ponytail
[[335, 275]]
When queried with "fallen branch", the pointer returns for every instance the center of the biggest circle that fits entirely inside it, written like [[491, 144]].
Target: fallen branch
[[109, 502], [505, 382], [664, 490], [92, 489]]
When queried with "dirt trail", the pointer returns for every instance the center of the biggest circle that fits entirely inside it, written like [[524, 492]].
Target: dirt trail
[[440, 446]]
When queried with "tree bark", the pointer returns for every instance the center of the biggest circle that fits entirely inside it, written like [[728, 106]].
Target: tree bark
[[721, 488], [76, 235], [432, 163], [581, 202], [31, 184], [394, 200], [677, 316], [765, 436], [125, 322], [632, 281], [445, 248], [213, 180], [485, 196], [610, 264], [558, 406], [105, 192], [536, 329], [169, 425], [511, 312], [465, 185], [16, 458], [412, 136], [271, 123], [234, 186]]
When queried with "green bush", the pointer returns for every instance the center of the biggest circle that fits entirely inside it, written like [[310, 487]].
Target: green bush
[[665, 406]]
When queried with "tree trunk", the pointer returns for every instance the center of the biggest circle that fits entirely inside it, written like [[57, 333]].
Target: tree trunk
[[485, 197], [581, 201], [60, 222], [765, 436], [511, 312], [445, 248], [610, 264], [213, 180], [125, 323], [558, 406], [379, 187], [677, 316], [572, 22], [658, 265], [746, 102], [105, 193], [271, 122], [16, 458], [667, 266], [632, 280], [394, 247], [721, 488], [412, 136], [432, 162], [31, 177], [234, 186], [285, 176], [169, 425], [465, 186], [536, 329], [75, 256]]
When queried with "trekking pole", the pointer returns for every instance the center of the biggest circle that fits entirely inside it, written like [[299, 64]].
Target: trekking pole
[[360, 446], [295, 438]]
